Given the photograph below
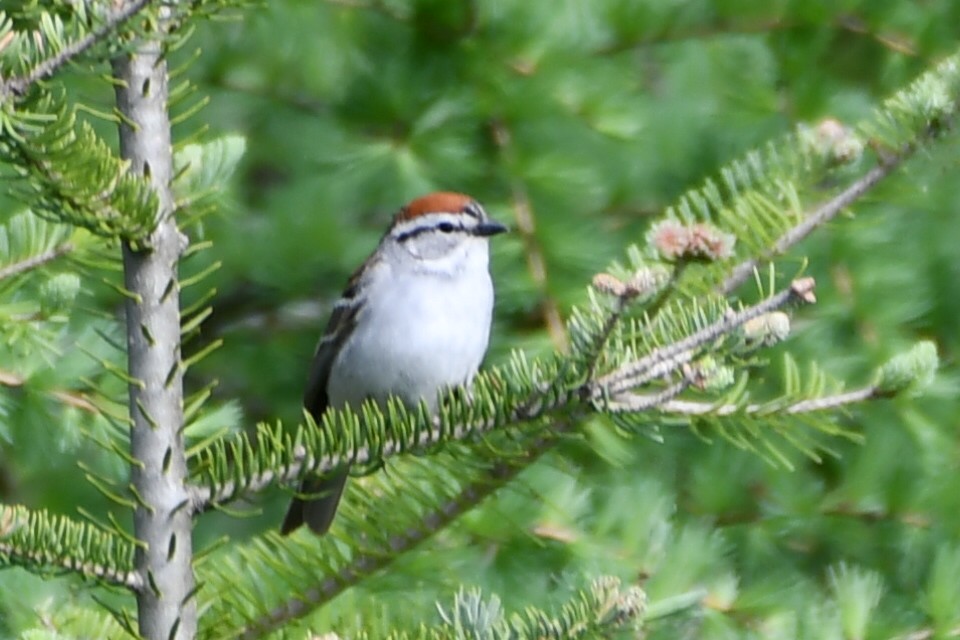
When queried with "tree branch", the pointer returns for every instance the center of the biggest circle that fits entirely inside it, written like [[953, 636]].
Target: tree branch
[[162, 520], [44, 69], [819, 216], [446, 512], [70, 398], [662, 362], [43, 542], [826, 403], [35, 261], [649, 367], [33, 556], [635, 403], [373, 561]]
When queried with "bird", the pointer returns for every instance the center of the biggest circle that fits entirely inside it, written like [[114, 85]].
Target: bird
[[413, 320]]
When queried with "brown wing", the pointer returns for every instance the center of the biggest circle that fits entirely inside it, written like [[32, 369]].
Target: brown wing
[[319, 497], [342, 320]]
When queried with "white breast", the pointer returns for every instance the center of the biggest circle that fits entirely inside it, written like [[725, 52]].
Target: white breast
[[420, 330]]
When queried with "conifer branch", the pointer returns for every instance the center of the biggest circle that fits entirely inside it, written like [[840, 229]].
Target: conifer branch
[[162, 522], [204, 497], [818, 217], [825, 403], [70, 398], [71, 175], [887, 163], [35, 261], [641, 284], [43, 542], [19, 85], [652, 365], [635, 403], [288, 465], [598, 612], [373, 560]]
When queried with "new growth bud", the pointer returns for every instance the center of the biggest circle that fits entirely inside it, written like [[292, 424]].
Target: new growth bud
[[670, 238], [644, 282], [768, 329], [675, 241], [609, 284], [911, 370], [708, 374], [833, 141]]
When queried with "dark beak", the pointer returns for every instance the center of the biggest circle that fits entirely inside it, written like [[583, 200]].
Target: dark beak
[[489, 228]]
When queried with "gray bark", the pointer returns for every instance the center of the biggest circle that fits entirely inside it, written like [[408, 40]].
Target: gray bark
[[162, 522]]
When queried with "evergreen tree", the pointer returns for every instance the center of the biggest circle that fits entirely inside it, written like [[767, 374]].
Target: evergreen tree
[[672, 157]]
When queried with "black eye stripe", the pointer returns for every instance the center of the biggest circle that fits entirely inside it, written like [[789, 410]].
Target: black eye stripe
[[413, 233], [445, 227]]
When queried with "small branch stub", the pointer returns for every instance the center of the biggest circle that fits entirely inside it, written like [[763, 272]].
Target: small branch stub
[[802, 288]]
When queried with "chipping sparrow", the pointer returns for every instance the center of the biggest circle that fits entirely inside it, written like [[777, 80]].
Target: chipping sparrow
[[413, 320]]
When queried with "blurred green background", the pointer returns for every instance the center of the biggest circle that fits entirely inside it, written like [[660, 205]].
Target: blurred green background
[[597, 115]]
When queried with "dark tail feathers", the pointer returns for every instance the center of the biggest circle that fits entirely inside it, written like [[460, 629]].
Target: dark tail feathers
[[316, 512]]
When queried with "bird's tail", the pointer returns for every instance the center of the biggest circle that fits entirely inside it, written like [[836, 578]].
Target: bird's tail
[[317, 506]]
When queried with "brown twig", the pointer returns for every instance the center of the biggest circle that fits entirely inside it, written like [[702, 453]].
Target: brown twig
[[635, 403]]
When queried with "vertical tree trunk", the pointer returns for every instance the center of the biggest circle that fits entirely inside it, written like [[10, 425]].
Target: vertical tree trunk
[[163, 521]]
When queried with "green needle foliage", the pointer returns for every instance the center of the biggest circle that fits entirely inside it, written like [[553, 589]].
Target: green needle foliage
[[70, 175], [661, 406], [37, 539]]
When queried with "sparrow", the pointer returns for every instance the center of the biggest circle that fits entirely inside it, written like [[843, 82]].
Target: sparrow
[[413, 320]]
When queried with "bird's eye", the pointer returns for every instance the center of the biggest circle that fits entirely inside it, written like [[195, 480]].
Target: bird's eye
[[445, 227]]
